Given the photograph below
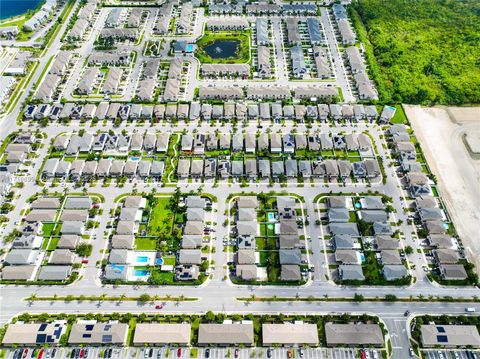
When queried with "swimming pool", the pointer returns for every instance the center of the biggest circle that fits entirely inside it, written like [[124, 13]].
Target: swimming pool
[[117, 268], [135, 158], [141, 272], [362, 257], [271, 216], [142, 259], [159, 261], [358, 205]]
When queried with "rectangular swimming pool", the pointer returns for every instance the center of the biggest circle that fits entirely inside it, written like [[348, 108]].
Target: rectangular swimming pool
[[141, 272], [142, 259]]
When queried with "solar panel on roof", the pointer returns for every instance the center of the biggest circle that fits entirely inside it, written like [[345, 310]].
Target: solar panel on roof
[[442, 339], [89, 327], [441, 329], [106, 338], [87, 335], [41, 338], [42, 327]]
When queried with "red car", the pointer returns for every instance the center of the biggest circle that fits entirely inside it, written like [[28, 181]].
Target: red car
[[159, 306], [25, 353], [179, 352], [82, 353], [40, 354], [362, 355], [85, 261]]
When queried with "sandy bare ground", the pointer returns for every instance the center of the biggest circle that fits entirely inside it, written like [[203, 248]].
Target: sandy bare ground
[[439, 131]]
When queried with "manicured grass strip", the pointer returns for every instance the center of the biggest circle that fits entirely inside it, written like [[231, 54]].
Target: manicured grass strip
[[118, 298]]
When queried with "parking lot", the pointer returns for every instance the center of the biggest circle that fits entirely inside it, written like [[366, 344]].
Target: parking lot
[[213, 353], [446, 354]]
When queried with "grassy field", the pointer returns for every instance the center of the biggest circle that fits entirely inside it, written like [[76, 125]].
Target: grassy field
[[422, 51], [161, 217], [243, 51], [145, 244]]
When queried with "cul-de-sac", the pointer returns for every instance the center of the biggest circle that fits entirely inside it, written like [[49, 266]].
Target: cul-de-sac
[[239, 179]]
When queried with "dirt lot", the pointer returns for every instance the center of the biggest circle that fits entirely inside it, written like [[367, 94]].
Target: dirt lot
[[440, 131]]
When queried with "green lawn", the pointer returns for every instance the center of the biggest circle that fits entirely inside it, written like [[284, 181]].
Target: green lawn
[[372, 269], [145, 244], [161, 217], [266, 244], [169, 261], [243, 50], [268, 258], [53, 243], [399, 116], [273, 273], [158, 277], [47, 229]]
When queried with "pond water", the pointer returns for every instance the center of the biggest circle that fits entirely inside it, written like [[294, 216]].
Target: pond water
[[222, 49]]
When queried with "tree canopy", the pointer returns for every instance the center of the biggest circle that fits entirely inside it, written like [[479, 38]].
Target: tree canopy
[[427, 51]]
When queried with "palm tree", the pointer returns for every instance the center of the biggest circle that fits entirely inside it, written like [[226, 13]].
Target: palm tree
[[103, 297]]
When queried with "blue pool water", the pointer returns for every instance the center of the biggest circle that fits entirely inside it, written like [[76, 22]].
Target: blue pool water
[[10, 8], [271, 216], [141, 272], [445, 225], [358, 205], [159, 261], [142, 259], [362, 257], [189, 48], [135, 158], [118, 268]]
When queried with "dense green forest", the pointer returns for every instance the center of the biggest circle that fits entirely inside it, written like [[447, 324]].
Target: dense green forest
[[422, 51]]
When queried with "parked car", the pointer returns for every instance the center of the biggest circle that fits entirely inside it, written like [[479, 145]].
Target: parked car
[[179, 352], [207, 353]]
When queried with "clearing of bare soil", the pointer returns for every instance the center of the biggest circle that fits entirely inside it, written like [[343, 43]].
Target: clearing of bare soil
[[441, 132]]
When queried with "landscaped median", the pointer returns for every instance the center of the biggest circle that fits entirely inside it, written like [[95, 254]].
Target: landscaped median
[[361, 298], [144, 298]]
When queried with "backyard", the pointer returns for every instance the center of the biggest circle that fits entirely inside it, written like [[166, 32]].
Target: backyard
[[161, 217]]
